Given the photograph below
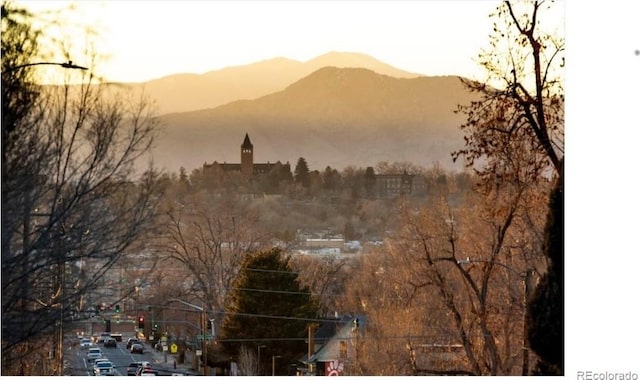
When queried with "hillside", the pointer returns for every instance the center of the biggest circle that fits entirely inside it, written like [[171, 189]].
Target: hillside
[[189, 92], [332, 117]]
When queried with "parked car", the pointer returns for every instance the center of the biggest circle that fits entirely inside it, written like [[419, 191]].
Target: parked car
[[104, 368], [110, 342], [137, 348], [94, 353], [131, 341]]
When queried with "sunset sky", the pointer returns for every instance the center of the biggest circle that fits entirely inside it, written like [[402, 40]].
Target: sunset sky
[[146, 40]]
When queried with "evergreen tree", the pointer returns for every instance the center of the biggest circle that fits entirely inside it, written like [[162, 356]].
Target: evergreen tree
[[301, 173], [546, 308], [330, 179], [268, 306], [370, 182]]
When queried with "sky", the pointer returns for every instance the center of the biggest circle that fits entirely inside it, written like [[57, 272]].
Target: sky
[[149, 39]]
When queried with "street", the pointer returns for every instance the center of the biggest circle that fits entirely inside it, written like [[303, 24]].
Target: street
[[76, 363]]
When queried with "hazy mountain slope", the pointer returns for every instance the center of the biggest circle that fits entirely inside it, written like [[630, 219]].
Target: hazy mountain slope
[[188, 92], [334, 117]]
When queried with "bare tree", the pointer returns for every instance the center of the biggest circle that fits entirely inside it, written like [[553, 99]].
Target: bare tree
[[515, 133], [71, 206], [247, 361], [522, 100], [447, 293], [206, 240], [325, 277]]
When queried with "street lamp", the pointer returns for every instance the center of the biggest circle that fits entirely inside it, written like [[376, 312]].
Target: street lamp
[[66, 65], [259, 347], [527, 277], [203, 321], [273, 364]]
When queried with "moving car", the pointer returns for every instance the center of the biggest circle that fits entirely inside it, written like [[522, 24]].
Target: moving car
[[104, 368], [137, 348], [131, 341], [103, 336], [96, 361], [85, 343], [133, 367], [146, 371], [94, 353], [103, 359], [142, 366], [110, 342]]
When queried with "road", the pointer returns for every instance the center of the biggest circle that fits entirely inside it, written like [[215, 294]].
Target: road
[[77, 364]]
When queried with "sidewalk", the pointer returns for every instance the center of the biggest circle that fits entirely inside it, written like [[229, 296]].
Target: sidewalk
[[159, 363]]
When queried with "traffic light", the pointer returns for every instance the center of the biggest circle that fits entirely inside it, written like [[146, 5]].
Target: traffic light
[[117, 309], [155, 327], [141, 322]]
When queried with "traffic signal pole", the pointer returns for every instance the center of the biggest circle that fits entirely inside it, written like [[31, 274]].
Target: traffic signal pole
[[203, 326]]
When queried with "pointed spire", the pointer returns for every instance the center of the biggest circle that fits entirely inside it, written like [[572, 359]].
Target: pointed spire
[[247, 143]]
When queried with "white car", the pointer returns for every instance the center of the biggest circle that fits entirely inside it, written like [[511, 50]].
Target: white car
[[96, 361], [85, 343], [94, 353], [104, 368]]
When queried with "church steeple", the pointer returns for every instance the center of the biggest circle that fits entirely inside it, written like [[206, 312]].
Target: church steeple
[[246, 156], [247, 143]]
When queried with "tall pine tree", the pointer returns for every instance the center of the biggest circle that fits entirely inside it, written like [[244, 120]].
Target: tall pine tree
[[301, 173], [268, 307]]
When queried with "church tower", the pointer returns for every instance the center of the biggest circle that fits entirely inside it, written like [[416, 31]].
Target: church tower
[[246, 157]]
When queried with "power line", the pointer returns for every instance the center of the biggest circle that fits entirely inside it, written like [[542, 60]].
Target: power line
[[277, 317], [273, 291], [269, 270], [348, 337]]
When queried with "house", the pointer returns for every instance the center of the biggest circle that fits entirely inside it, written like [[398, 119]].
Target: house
[[335, 347]]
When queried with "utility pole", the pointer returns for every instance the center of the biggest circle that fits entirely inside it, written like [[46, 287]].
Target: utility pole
[[310, 349], [62, 279], [204, 342]]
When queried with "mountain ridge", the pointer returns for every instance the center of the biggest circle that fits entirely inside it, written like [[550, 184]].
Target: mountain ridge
[[333, 117], [250, 81]]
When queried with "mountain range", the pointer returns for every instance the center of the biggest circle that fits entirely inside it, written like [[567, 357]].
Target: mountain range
[[336, 110], [188, 92]]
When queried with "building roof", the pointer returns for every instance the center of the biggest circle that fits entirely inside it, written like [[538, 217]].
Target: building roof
[[330, 334]]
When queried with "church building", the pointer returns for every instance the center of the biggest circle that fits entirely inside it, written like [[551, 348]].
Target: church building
[[247, 167]]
